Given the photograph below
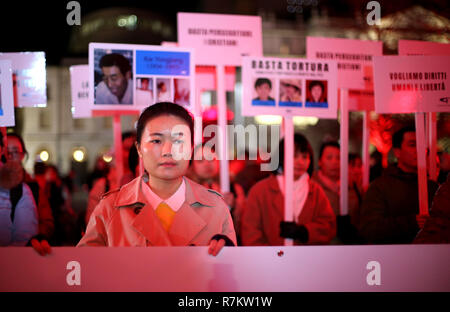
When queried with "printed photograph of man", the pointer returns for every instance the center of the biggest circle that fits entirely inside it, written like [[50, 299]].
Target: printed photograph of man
[[144, 91], [182, 94], [263, 92], [290, 92], [116, 86], [163, 86], [316, 93]]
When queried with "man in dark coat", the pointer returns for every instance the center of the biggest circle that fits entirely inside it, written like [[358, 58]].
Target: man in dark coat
[[390, 209]]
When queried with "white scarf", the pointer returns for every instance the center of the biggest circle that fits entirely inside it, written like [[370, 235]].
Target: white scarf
[[301, 189]]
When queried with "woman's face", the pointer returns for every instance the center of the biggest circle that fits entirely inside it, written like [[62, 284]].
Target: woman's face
[[316, 93], [14, 150], [301, 164], [165, 147], [330, 162], [207, 165]]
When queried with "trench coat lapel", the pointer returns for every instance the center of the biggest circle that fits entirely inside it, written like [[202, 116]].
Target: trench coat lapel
[[147, 224], [187, 222], [146, 221]]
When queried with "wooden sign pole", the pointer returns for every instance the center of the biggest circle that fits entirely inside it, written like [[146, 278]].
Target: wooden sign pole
[[421, 163], [222, 130], [365, 151], [344, 152], [288, 172], [117, 128]]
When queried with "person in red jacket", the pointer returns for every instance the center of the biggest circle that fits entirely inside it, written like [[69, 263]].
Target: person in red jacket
[[263, 215]]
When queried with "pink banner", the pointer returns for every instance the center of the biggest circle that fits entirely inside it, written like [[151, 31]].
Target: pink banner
[[384, 268]]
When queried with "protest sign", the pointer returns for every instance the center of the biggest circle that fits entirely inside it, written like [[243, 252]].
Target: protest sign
[[220, 38], [408, 84], [6, 95], [131, 77], [79, 83], [29, 77], [353, 57], [289, 87]]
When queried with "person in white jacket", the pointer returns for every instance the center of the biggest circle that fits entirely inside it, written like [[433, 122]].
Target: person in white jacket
[[18, 214]]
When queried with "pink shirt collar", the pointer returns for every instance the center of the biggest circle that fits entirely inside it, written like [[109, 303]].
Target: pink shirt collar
[[175, 201]]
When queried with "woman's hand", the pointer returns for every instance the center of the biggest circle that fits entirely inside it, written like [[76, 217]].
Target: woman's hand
[[215, 246], [42, 247]]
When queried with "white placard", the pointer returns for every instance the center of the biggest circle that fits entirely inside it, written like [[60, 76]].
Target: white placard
[[354, 58], [219, 38], [408, 84], [147, 75], [79, 84], [289, 87], [29, 77], [6, 95]]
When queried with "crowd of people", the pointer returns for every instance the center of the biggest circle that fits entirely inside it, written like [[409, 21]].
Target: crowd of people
[[189, 208]]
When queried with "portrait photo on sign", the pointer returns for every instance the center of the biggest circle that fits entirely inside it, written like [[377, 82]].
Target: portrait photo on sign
[[163, 90], [263, 93], [144, 91], [316, 93], [290, 92], [113, 76], [182, 92]]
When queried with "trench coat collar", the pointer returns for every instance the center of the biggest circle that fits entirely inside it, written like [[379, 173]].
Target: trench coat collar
[[186, 223]]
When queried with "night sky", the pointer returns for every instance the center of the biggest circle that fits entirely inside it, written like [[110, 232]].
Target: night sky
[[41, 25]]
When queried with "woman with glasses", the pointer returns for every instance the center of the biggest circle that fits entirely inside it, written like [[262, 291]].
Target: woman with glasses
[[16, 152], [18, 212]]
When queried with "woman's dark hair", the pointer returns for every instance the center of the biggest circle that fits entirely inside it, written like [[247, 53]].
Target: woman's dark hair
[[316, 83], [160, 109], [301, 144], [133, 159]]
